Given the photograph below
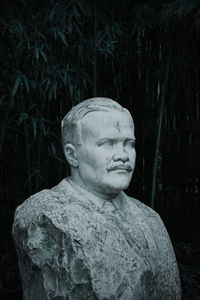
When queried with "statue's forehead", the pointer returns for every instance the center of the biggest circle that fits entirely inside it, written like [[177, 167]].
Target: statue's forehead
[[110, 116], [106, 122]]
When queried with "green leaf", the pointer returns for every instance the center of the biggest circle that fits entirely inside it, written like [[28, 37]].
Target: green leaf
[[25, 81], [2, 98], [55, 31], [76, 13], [50, 93], [60, 159], [16, 85], [33, 84], [55, 85], [22, 117], [41, 35], [20, 44], [100, 37], [84, 9], [43, 55], [48, 82], [77, 26], [37, 53], [63, 38], [43, 127], [34, 123], [15, 27], [53, 148]]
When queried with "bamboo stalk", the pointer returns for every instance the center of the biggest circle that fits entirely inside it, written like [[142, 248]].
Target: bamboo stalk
[[158, 138], [38, 164], [2, 137], [27, 147], [95, 52]]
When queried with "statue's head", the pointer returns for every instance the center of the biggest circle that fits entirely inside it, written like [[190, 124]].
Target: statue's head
[[98, 142]]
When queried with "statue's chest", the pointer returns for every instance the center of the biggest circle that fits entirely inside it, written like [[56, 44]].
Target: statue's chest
[[121, 238], [120, 254]]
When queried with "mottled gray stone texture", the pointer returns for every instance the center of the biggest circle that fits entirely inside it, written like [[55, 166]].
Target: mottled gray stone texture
[[73, 245]]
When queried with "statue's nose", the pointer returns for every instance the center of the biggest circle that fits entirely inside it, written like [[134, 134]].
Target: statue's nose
[[121, 155]]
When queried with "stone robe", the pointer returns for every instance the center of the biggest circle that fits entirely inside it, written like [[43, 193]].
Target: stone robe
[[73, 245]]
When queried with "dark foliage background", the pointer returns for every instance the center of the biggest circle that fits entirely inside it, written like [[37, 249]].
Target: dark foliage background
[[144, 54]]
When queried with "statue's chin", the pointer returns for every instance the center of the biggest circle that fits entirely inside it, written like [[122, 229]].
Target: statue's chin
[[119, 182]]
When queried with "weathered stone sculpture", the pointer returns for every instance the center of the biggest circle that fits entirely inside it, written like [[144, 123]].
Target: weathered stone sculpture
[[85, 238]]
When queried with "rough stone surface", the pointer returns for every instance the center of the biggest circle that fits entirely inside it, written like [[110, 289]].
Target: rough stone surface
[[72, 245]]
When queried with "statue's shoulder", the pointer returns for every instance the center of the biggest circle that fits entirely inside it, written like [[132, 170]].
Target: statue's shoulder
[[146, 210], [149, 215], [48, 202]]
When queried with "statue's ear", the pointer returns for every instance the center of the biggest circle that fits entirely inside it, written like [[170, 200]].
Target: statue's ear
[[70, 154]]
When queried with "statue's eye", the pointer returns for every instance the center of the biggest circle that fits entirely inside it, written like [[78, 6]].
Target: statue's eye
[[107, 143], [130, 144]]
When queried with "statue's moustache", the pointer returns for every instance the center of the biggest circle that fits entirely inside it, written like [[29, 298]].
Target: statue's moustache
[[125, 167]]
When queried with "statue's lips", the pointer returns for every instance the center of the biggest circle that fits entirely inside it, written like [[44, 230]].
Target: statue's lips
[[127, 168]]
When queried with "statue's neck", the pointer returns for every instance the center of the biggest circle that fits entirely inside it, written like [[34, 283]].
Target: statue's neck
[[114, 198]]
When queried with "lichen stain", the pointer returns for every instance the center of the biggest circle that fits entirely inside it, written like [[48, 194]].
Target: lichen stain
[[118, 126]]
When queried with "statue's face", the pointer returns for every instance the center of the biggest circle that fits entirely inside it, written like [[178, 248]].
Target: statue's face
[[106, 157]]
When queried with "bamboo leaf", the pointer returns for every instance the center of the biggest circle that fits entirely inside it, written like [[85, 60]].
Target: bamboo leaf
[[37, 53], [16, 85], [16, 28], [48, 82], [26, 82], [41, 35], [71, 89], [2, 98], [20, 44], [50, 93], [100, 37], [84, 9], [43, 55], [53, 148], [51, 15], [60, 159], [69, 4], [11, 101], [77, 27], [76, 13], [22, 117], [55, 90], [33, 84], [55, 31], [34, 123], [43, 127], [63, 38]]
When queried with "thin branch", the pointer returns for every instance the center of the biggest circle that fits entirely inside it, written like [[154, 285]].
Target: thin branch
[[95, 52], [158, 139]]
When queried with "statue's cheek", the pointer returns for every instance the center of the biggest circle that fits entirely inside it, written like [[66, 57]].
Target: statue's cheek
[[108, 159]]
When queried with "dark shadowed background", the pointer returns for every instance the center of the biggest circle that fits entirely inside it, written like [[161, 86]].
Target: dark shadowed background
[[143, 54]]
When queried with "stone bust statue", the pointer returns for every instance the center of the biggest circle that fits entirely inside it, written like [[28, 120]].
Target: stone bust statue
[[85, 238]]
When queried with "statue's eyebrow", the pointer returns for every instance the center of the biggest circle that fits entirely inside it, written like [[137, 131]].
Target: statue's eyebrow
[[130, 140], [102, 140], [106, 139]]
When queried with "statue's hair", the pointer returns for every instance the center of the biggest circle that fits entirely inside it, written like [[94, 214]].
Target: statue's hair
[[71, 123]]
